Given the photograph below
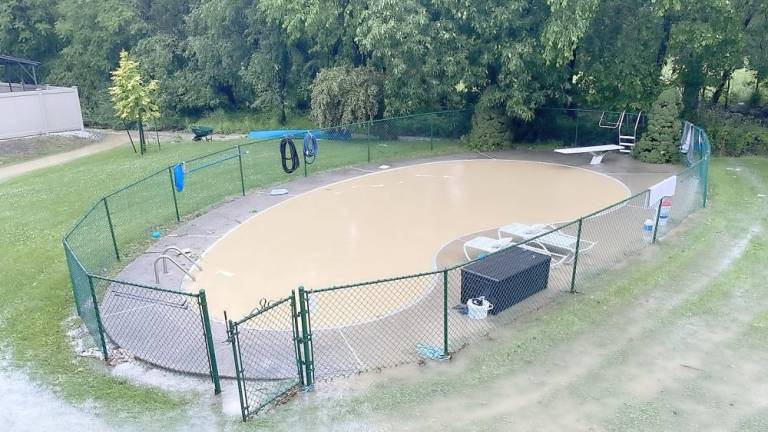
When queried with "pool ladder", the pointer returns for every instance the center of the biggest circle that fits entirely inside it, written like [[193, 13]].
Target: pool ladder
[[165, 258]]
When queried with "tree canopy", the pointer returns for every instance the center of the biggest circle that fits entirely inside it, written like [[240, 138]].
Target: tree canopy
[[514, 55]]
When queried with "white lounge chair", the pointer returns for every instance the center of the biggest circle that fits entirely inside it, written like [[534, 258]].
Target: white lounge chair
[[490, 245], [557, 244]]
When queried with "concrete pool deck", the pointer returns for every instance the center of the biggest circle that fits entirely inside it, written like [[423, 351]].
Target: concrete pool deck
[[200, 233]]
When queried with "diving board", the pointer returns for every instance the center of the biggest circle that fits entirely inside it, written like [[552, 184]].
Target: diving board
[[597, 152]]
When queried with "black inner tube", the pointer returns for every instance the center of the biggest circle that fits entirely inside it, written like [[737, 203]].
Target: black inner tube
[[286, 145]]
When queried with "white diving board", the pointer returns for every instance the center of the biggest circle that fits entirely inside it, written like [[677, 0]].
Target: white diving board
[[597, 152]]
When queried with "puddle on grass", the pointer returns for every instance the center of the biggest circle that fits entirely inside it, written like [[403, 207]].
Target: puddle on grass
[[27, 406]]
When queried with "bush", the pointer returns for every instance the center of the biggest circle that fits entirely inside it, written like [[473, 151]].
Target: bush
[[345, 95], [660, 142], [735, 134], [491, 127]]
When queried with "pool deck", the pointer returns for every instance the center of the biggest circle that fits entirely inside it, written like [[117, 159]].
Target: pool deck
[[199, 233]]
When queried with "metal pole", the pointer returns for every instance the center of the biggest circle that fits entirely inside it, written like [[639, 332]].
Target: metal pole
[[306, 338], [296, 338], [240, 160], [234, 340], [368, 142], [576, 138], [656, 225], [173, 191], [209, 343], [445, 313], [576, 257], [431, 135], [111, 229], [98, 318]]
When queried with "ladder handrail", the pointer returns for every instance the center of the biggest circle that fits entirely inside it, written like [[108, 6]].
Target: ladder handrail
[[165, 258], [179, 252], [610, 125]]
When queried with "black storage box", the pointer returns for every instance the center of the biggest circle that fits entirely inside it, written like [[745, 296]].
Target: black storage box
[[506, 277]]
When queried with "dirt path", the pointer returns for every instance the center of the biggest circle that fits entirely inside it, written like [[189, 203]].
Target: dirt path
[[112, 139]]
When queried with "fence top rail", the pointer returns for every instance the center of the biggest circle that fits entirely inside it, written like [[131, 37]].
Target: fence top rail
[[260, 310], [135, 183], [80, 220], [138, 285]]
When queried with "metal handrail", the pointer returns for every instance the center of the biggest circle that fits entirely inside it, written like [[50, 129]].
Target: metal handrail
[[180, 252], [163, 258]]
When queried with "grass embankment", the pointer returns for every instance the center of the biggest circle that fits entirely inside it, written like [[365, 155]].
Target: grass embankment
[[40, 207]]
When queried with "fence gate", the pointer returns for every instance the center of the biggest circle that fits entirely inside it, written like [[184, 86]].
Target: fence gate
[[268, 350]]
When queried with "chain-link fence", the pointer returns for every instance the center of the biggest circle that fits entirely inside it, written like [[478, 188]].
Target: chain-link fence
[[366, 326], [267, 353]]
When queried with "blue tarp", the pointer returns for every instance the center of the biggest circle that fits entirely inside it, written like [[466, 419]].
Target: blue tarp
[[299, 133]]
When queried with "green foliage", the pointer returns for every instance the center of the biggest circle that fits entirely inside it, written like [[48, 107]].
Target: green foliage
[[134, 99], [344, 95], [734, 134], [490, 126], [264, 55], [660, 142]]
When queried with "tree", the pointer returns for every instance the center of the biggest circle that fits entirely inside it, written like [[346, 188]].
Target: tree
[[344, 95], [660, 142], [134, 99]]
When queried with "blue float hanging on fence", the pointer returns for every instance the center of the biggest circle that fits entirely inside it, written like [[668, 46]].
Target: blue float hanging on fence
[[178, 176]]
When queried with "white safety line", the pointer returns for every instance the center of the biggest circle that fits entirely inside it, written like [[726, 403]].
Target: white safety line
[[354, 353]]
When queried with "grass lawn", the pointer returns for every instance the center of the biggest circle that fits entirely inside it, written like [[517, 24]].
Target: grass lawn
[[40, 207], [579, 351]]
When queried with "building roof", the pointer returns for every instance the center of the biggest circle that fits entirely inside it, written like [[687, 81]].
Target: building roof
[[10, 60]]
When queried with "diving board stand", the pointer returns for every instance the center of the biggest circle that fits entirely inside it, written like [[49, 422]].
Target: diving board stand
[[597, 152]]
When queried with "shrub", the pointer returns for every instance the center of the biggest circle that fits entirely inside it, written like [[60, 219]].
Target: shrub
[[735, 134], [660, 142], [490, 127]]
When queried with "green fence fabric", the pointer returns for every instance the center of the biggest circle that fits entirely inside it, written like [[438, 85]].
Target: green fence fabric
[[285, 345]]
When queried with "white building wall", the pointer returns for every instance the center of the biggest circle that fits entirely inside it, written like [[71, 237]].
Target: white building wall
[[53, 109]]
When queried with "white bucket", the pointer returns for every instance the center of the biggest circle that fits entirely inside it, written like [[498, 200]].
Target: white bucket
[[478, 311], [648, 230]]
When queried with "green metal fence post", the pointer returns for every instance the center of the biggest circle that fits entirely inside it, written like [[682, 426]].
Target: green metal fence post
[[214, 368], [656, 224], [296, 338], [576, 257], [98, 318], [445, 313], [306, 338], [431, 134], [576, 138], [111, 229], [173, 191], [368, 141], [233, 339], [242, 177], [305, 164], [706, 182]]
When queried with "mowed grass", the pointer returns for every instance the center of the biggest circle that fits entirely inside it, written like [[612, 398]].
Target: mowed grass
[[39, 208]]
